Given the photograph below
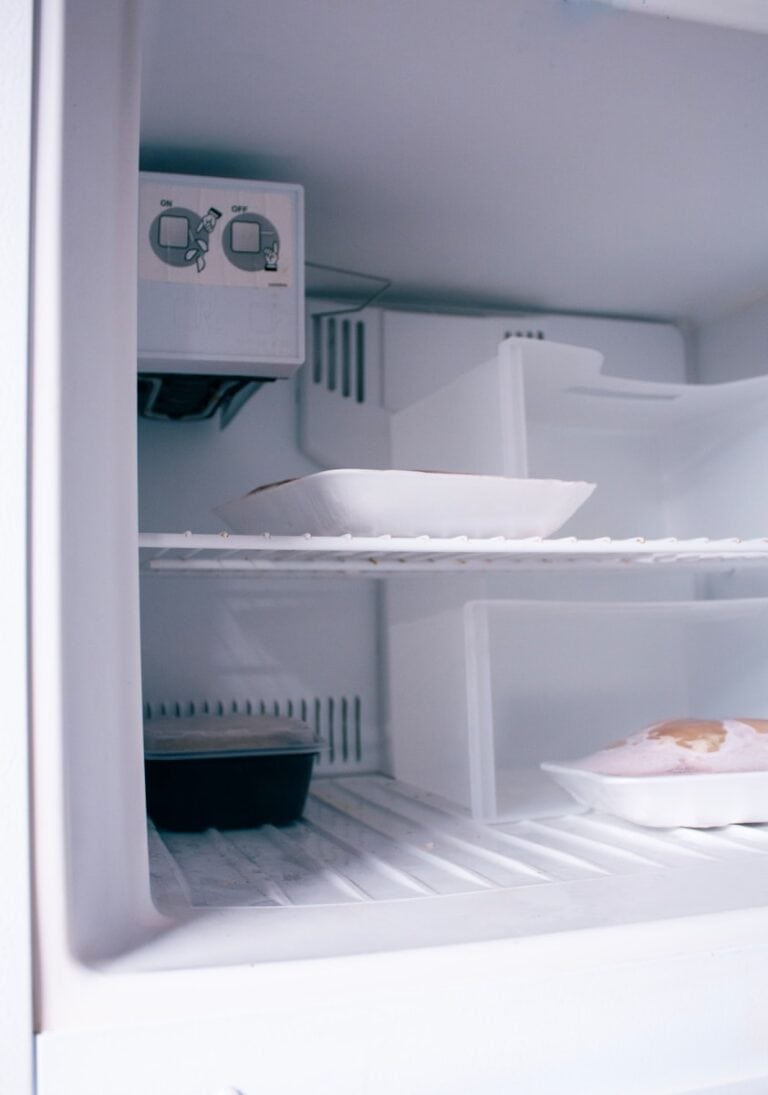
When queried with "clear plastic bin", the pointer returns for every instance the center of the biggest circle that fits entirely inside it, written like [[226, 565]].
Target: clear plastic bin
[[513, 683]]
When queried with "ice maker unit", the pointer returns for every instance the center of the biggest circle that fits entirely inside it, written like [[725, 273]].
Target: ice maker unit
[[221, 291]]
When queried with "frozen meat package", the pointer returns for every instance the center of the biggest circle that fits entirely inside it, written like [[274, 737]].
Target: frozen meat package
[[683, 772], [227, 771]]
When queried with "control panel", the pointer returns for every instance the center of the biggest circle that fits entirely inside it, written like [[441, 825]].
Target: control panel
[[221, 276]]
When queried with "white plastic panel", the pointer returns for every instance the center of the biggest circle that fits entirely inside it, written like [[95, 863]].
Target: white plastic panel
[[221, 276], [464, 427], [425, 352], [668, 459], [531, 1028], [341, 423], [664, 454], [404, 357]]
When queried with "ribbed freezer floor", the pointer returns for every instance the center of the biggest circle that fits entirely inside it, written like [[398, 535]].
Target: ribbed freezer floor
[[369, 838]]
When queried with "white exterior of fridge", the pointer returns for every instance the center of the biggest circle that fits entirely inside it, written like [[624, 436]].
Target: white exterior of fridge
[[648, 978]]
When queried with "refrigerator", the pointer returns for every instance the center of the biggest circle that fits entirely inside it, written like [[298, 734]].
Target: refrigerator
[[531, 247]]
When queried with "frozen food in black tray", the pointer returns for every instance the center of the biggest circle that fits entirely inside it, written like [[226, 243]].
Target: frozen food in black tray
[[227, 771]]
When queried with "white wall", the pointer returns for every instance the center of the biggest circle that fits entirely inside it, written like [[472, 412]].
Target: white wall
[[734, 345], [15, 941], [540, 154]]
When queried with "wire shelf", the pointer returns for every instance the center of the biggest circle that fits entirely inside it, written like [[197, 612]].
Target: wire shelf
[[378, 556]]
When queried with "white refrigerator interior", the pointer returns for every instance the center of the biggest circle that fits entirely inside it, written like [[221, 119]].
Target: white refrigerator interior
[[554, 214]]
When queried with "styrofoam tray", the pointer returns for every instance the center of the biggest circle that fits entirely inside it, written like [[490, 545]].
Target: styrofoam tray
[[696, 800], [406, 503]]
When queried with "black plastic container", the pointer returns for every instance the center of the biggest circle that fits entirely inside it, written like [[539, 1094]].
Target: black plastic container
[[227, 772]]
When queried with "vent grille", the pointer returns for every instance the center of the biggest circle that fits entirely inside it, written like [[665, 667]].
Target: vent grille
[[525, 334], [338, 720], [339, 356]]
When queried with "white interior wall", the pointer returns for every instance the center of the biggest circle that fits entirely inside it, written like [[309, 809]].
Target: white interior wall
[[734, 345], [542, 154], [186, 469]]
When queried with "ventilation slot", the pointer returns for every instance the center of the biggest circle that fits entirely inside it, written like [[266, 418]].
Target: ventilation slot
[[524, 334], [360, 362], [337, 720], [338, 356], [317, 349], [332, 364], [346, 363]]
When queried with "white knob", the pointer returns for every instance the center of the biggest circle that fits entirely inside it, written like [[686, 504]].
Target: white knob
[[228, 1091]]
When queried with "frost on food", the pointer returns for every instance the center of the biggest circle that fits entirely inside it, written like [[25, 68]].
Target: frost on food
[[689, 745]]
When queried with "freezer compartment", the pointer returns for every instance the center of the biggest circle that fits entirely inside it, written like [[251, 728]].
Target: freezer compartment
[[511, 683], [384, 671], [426, 687], [429, 787]]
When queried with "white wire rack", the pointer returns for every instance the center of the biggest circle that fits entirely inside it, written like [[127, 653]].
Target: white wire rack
[[222, 553]]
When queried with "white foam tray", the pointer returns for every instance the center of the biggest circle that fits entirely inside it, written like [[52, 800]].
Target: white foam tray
[[406, 503], [698, 801]]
